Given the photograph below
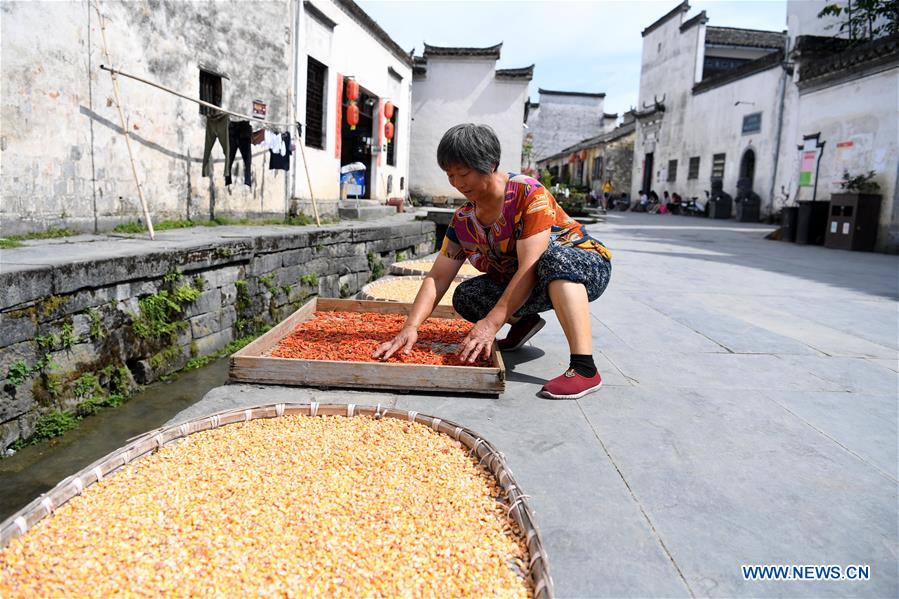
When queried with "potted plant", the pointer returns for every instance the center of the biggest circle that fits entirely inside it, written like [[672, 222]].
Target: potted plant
[[574, 205], [854, 213], [859, 184]]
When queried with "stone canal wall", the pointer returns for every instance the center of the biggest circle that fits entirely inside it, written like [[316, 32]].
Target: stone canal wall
[[77, 336]]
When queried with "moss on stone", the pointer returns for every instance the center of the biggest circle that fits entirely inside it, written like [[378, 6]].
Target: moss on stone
[[51, 303], [165, 357]]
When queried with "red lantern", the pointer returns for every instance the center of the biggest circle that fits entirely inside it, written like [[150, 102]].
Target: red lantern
[[388, 130], [352, 116], [388, 109], [352, 90], [583, 155]]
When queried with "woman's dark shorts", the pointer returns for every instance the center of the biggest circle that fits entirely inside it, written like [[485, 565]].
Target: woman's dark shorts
[[474, 298]]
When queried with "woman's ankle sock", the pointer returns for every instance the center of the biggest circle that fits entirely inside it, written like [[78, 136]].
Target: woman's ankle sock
[[583, 364]]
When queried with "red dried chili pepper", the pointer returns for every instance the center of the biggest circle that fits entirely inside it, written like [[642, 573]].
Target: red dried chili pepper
[[353, 336]]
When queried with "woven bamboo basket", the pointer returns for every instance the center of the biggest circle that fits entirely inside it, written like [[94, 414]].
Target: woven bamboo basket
[[414, 268], [538, 566]]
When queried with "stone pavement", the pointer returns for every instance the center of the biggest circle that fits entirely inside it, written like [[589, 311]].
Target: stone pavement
[[748, 416]]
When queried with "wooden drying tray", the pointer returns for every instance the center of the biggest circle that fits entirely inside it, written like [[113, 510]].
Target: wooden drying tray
[[252, 364]]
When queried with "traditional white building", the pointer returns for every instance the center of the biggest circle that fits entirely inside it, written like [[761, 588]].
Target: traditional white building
[[843, 107], [709, 106], [746, 106], [340, 41], [563, 118], [64, 159], [593, 161], [462, 85]]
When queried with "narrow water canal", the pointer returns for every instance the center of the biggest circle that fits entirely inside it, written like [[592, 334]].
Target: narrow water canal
[[38, 468]]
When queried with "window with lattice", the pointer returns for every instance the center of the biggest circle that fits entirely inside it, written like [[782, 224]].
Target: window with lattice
[[693, 170], [316, 78], [672, 171], [210, 90]]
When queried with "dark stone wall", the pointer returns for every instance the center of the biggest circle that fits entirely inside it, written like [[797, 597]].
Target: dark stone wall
[[65, 327]]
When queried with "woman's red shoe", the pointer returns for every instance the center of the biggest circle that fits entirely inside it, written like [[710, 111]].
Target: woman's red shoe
[[571, 385]]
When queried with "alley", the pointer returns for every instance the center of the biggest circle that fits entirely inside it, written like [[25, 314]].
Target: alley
[[748, 416]]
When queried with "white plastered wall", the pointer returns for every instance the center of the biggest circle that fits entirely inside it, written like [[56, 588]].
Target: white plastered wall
[[349, 49], [462, 90]]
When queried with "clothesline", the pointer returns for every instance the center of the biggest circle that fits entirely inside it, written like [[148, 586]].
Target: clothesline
[[198, 101], [268, 124]]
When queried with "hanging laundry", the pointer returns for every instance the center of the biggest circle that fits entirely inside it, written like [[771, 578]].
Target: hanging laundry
[[273, 141], [258, 137], [239, 134], [281, 161], [216, 128]]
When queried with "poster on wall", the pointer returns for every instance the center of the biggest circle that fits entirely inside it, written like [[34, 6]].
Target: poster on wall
[[807, 167], [845, 151], [259, 109]]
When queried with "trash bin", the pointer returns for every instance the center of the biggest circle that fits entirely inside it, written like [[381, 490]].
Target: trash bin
[[721, 204], [720, 207], [749, 209], [852, 223], [789, 223], [811, 223]]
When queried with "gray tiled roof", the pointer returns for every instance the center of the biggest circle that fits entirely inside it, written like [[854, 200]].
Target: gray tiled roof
[[754, 38], [563, 93], [700, 18], [520, 73], [768, 61], [617, 132], [680, 8], [883, 51], [490, 51]]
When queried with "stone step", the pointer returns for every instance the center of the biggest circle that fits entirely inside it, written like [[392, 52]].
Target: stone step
[[364, 212]]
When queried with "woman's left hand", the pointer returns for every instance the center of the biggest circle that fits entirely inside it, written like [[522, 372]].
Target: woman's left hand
[[479, 340]]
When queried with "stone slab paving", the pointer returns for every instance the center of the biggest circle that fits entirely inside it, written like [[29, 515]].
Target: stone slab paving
[[748, 416]]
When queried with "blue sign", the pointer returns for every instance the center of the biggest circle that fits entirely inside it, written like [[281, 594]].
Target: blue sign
[[752, 123]]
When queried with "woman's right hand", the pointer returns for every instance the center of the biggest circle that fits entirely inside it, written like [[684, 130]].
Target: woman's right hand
[[405, 339]]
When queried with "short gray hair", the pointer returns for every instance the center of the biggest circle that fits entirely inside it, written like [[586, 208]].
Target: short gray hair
[[474, 146]]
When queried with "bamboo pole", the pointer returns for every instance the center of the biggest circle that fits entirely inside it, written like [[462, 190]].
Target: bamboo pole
[[125, 132], [196, 100], [308, 180], [237, 114]]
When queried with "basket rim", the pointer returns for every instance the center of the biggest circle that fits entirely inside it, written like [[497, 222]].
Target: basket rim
[[151, 441], [366, 293], [401, 268]]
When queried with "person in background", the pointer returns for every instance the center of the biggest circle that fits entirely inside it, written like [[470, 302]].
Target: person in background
[[642, 204], [621, 203], [666, 201], [653, 202], [607, 190], [535, 258]]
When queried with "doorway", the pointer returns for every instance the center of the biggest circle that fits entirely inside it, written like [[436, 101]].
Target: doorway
[[648, 167], [356, 145], [747, 169]]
